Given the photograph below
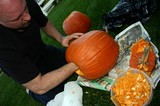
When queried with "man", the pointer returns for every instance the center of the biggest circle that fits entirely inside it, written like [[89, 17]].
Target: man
[[40, 68]]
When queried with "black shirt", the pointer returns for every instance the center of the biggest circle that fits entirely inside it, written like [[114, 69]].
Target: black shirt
[[20, 52]]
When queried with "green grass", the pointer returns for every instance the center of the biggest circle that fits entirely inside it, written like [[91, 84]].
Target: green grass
[[13, 94]]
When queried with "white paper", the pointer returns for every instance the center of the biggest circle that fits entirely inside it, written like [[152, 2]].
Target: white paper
[[71, 96], [125, 40]]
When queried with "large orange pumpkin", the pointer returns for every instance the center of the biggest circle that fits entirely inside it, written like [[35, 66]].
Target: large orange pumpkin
[[95, 53], [76, 22], [141, 58]]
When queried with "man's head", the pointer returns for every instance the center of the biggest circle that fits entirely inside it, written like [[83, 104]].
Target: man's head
[[14, 14]]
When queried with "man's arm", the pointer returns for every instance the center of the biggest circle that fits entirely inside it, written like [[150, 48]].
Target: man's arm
[[42, 84], [52, 31]]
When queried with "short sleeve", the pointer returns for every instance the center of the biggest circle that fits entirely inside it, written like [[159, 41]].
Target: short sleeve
[[18, 66], [36, 13]]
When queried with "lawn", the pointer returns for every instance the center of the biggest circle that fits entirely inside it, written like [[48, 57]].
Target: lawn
[[12, 94]]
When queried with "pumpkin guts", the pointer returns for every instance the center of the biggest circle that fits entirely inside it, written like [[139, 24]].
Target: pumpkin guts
[[142, 56], [132, 89]]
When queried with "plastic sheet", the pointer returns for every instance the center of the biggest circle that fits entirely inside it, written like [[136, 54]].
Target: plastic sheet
[[128, 12]]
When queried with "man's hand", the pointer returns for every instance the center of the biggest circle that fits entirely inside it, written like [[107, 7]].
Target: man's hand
[[52, 31], [66, 40]]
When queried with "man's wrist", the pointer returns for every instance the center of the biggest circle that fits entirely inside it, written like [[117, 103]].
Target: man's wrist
[[74, 66]]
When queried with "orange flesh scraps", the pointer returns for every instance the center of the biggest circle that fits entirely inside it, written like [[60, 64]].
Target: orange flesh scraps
[[139, 46], [132, 89], [141, 58]]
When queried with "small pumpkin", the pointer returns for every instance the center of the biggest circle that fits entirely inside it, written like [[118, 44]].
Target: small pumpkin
[[142, 56], [95, 53], [76, 22]]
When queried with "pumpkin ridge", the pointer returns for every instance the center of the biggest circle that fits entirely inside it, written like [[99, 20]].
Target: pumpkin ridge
[[84, 47], [76, 22], [109, 44], [107, 64], [99, 53], [71, 28], [81, 47]]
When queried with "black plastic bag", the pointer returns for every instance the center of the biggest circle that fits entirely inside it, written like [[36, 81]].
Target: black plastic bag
[[128, 12]]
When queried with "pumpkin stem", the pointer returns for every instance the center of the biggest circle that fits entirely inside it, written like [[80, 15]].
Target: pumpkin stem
[[79, 72], [106, 29], [142, 62], [145, 55]]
